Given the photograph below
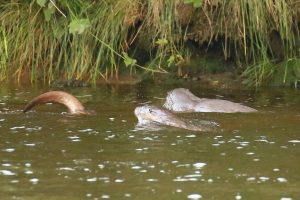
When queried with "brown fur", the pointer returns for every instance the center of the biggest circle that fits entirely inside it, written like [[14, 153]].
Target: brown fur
[[72, 103]]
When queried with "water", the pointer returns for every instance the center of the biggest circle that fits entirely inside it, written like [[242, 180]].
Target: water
[[49, 155]]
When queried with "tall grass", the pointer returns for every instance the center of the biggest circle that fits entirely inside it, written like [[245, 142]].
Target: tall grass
[[85, 39], [3, 55], [44, 49], [47, 50], [166, 34], [247, 26]]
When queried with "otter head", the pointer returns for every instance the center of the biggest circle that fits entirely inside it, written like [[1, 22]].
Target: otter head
[[180, 100], [146, 114]]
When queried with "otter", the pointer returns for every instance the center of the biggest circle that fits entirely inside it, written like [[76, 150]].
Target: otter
[[182, 100], [148, 114], [72, 103]]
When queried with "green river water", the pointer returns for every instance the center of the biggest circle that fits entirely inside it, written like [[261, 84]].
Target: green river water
[[45, 154]]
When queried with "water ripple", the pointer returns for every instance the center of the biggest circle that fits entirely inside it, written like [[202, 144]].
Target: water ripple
[[194, 196], [7, 173], [199, 165], [9, 150], [294, 141]]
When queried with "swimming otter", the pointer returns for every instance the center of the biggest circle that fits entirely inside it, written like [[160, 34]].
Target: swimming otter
[[148, 114], [72, 103], [182, 100]]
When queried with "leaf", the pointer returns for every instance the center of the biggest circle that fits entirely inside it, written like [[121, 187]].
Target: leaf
[[48, 12], [41, 3], [162, 41], [196, 3], [171, 60], [78, 26], [188, 1], [127, 60]]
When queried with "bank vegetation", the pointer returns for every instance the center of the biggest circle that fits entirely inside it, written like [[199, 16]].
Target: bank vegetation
[[103, 39]]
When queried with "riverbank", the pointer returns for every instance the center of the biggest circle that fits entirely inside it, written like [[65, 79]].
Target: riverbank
[[104, 41]]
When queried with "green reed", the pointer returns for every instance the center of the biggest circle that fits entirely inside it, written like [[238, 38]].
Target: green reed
[[248, 25], [84, 39]]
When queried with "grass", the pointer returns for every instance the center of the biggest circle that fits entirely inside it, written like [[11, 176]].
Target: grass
[[3, 55], [247, 26], [89, 40], [44, 47]]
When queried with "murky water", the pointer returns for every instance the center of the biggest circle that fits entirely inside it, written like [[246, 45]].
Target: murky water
[[49, 155]]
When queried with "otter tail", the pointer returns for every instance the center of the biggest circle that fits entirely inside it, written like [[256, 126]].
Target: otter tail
[[72, 103]]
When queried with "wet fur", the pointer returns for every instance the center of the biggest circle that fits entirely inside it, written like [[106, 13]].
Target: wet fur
[[182, 100], [72, 103], [148, 114]]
